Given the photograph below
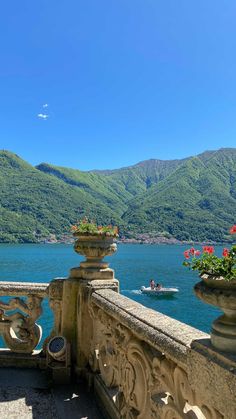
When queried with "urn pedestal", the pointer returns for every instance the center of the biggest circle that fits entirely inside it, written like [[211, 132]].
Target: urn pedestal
[[94, 248], [221, 293], [93, 274]]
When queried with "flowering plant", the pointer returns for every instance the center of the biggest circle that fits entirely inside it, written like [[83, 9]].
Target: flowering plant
[[206, 262], [86, 227]]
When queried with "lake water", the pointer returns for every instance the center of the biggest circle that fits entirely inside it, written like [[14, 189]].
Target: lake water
[[134, 265]]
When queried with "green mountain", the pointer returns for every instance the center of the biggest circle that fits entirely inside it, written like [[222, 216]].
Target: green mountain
[[34, 204], [189, 199], [197, 201]]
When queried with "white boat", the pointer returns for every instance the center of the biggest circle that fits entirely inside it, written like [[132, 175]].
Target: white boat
[[161, 291]]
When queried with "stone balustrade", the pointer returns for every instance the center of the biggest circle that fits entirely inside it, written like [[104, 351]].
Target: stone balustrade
[[148, 365], [19, 313], [141, 363]]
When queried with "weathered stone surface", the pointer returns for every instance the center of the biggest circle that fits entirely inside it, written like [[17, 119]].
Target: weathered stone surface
[[30, 396], [95, 248], [23, 288], [18, 316], [220, 294], [112, 284], [213, 376], [220, 297], [106, 396], [56, 288], [158, 367], [19, 360], [24, 403], [69, 313], [25, 394], [164, 333], [92, 273]]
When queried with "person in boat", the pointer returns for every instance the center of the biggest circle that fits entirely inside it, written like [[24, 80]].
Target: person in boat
[[158, 287], [152, 284]]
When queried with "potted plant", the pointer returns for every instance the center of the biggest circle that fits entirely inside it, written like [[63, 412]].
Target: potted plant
[[94, 241], [217, 287]]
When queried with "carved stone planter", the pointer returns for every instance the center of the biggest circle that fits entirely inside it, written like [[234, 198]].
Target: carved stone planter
[[221, 293], [94, 248]]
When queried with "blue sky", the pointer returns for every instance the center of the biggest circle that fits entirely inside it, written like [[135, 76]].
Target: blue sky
[[125, 80]]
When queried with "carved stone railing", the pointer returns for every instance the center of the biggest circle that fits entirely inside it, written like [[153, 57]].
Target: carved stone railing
[[151, 366], [19, 315], [143, 364]]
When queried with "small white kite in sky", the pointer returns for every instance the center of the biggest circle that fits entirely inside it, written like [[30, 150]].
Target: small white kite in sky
[[45, 105], [42, 115]]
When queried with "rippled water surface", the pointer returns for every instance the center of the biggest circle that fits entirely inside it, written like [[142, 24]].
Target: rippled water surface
[[134, 266]]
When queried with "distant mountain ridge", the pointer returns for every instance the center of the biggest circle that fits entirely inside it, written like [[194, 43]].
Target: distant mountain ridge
[[189, 199]]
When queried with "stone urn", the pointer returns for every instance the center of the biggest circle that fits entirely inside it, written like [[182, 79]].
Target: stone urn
[[94, 248], [221, 293]]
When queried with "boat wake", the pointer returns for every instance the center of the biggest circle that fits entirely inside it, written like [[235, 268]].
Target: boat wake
[[137, 292]]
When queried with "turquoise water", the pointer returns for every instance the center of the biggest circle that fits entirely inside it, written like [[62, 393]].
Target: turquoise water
[[134, 266]]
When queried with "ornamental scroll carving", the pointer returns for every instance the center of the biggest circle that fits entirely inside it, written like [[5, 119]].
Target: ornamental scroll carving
[[149, 385], [55, 303], [19, 330]]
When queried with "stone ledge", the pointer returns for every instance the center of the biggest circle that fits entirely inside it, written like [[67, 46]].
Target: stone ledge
[[112, 284], [23, 288], [160, 331], [18, 360], [91, 273]]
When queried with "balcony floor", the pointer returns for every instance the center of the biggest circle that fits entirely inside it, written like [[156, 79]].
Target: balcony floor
[[25, 393]]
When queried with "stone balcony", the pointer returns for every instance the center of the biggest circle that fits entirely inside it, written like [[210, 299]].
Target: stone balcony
[[28, 393], [135, 362]]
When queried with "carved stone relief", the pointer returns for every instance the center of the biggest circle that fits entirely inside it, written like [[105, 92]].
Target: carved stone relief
[[149, 384], [19, 330], [55, 303]]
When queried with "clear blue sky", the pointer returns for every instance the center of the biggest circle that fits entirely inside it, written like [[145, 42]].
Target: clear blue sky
[[125, 80]]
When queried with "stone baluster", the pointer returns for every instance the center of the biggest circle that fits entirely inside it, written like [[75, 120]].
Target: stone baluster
[[55, 294], [18, 316]]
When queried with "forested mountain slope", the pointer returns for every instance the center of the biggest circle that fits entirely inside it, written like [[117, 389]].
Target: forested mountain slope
[[197, 201], [189, 199], [34, 204]]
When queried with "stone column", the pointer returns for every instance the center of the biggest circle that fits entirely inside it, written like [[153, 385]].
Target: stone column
[[92, 274]]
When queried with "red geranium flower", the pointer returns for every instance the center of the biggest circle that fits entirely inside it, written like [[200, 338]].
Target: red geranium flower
[[233, 230], [211, 264], [208, 249], [225, 252], [186, 254]]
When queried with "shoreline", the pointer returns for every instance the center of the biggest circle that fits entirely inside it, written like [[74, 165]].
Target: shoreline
[[131, 241]]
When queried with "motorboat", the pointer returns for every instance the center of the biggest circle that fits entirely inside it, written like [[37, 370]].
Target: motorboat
[[159, 291]]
